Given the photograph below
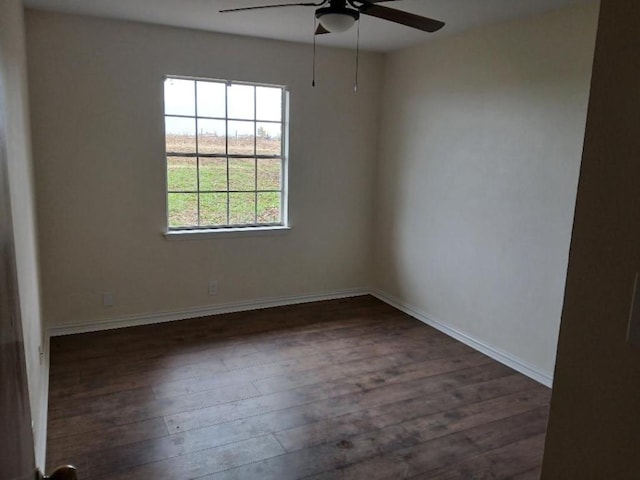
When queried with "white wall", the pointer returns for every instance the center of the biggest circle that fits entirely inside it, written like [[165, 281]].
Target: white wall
[[96, 91], [14, 75], [481, 139]]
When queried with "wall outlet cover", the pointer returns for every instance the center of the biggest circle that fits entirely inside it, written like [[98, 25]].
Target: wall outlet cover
[[108, 299]]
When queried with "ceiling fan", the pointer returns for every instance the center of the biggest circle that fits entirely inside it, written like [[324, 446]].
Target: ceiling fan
[[339, 15]]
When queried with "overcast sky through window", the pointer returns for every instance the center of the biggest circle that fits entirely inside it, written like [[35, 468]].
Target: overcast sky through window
[[246, 103]]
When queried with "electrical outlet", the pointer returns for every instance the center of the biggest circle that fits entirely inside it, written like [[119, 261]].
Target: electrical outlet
[[213, 287], [108, 299], [633, 333]]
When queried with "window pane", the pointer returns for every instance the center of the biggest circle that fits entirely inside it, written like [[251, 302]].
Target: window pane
[[269, 103], [242, 174], [215, 118], [211, 136], [241, 138], [241, 102], [269, 174], [269, 208], [242, 208], [211, 99], [268, 139], [179, 97], [182, 174], [180, 134], [213, 174], [213, 209], [183, 210]]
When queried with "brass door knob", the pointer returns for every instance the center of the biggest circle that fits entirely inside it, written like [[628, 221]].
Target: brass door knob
[[66, 472]]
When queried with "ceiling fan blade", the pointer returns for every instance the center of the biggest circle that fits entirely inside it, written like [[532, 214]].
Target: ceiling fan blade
[[404, 18], [302, 4], [321, 30]]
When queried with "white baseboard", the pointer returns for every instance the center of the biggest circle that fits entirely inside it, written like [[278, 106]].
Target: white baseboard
[[152, 318], [503, 357]]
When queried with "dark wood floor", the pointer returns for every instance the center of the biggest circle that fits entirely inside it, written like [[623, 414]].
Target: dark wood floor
[[347, 389]]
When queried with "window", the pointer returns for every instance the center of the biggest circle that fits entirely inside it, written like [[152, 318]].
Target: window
[[225, 151]]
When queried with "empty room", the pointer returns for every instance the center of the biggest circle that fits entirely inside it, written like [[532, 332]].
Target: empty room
[[324, 240]]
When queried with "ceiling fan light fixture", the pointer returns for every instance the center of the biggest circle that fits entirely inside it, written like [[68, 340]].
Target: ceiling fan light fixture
[[337, 20]]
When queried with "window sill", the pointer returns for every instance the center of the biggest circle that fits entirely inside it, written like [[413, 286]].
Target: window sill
[[225, 233]]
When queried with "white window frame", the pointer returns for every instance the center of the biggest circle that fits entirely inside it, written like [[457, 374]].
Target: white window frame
[[196, 231]]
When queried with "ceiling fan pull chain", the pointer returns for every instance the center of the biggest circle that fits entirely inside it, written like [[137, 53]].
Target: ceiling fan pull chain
[[355, 87], [315, 26]]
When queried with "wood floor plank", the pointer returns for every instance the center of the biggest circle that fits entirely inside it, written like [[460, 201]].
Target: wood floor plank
[[404, 437], [343, 394], [72, 386], [312, 414], [233, 349], [337, 427], [102, 416], [267, 324], [72, 449], [96, 405], [371, 333], [121, 409], [114, 379], [485, 438], [340, 389], [109, 383], [513, 460], [394, 359], [432, 452], [305, 359], [199, 464]]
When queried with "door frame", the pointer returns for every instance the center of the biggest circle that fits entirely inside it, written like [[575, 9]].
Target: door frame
[[17, 457]]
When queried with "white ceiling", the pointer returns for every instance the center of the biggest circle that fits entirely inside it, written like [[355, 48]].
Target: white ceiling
[[296, 23]]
